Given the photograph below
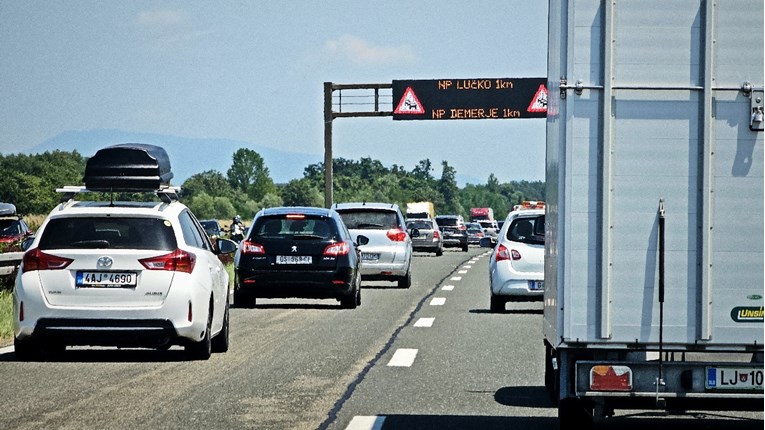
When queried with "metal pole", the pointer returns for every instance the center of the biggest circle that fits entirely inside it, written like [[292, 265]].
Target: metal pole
[[327, 144]]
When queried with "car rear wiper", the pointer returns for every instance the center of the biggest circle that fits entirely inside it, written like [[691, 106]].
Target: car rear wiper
[[308, 237], [367, 225]]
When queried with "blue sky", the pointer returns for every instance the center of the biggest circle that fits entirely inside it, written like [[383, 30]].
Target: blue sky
[[254, 72]]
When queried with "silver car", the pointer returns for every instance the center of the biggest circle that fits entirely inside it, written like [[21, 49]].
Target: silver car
[[388, 254], [428, 238]]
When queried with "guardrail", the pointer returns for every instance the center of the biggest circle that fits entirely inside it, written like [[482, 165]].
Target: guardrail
[[9, 261]]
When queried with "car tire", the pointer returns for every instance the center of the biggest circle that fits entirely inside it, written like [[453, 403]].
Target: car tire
[[202, 350], [26, 349], [440, 252], [406, 280], [465, 247], [243, 300], [220, 342], [350, 301], [497, 304]]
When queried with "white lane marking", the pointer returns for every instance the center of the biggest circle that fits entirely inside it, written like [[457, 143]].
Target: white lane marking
[[462, 272], [403, 357], [456, 278], [438, 301], [424, 322], [467, 266], [360, 422], [447, 287]]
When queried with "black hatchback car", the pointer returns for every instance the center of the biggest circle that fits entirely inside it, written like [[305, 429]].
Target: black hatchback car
[[302, 252]]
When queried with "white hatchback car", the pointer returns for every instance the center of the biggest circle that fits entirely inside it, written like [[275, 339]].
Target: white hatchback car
[[516, 265], [388, 255], [122, 273]]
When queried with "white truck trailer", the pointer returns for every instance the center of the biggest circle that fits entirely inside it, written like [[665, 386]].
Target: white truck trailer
[[654, 224]]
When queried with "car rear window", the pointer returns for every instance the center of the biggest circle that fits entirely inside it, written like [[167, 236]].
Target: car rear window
[[422, 225], [449, 222], [295, 228], [109, 232], [10, 227], [369, 219], [529, 230]]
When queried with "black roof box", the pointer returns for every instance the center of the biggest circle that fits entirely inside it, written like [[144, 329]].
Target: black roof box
[[128, 167]]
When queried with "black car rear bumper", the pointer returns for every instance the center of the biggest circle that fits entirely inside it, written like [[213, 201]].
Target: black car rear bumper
[[309, 284]]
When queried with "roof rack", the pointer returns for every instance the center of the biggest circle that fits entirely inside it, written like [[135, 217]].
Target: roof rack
[[167, 194]]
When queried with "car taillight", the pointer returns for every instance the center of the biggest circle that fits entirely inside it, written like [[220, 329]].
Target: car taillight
[[436, 234], [34, 259], [176, 261], [337, 249], [396, 235], [249, 247], [507, 254], [461, 227]]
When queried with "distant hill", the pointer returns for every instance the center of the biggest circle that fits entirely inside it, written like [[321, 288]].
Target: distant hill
[[187, 156]]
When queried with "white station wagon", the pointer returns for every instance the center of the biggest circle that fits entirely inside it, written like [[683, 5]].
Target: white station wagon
[[122, 273]]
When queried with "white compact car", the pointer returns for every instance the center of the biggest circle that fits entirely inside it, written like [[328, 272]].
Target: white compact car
[[122, 273], [516, 265], [388, 254]]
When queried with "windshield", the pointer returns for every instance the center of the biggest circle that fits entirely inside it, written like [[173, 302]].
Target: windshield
[[420, 225], [111, 232], [10, 227]]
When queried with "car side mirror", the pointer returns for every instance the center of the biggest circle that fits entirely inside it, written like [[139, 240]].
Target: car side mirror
[[26, 243], [225, 246], [414, 232], [361, 240]]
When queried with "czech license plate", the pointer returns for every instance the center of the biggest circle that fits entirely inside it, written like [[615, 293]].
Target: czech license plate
[[370, 256], [293, 259], [734, 378], [106, 279], [536, 285]]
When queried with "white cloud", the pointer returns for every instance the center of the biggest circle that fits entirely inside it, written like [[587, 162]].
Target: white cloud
[[360, 53]]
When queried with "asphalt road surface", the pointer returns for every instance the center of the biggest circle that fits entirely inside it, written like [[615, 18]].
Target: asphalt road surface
[[428, 357]]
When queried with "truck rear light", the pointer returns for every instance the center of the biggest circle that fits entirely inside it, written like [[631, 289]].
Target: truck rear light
[[337, 249], [252, 248], [176, 261], [35, 259], [396, 235], [606, 377]]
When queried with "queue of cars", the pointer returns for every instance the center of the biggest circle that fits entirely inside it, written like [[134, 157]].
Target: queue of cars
[[149, 274]]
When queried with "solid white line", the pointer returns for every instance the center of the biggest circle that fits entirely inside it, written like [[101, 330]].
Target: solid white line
[[424, 322], [403, 357], [456, 278], [438, 301], [366, 423], [447, 287]]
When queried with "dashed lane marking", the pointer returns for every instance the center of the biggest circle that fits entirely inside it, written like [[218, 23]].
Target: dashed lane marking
[[456, 278], [447, 287], [360, 422], [424, 322], [438, 301], [403, 357]]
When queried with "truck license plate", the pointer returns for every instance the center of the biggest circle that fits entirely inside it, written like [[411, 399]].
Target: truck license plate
[[734, 378]]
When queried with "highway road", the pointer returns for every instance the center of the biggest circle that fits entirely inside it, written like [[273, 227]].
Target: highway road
[[428, 357]]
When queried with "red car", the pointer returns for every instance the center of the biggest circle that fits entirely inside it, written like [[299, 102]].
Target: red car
[[13, 229]]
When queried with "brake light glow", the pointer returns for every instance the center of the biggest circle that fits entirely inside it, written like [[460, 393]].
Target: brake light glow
[[502, 253], [295, 216], [34, 259], [396, 235], [249, 247], [337, 249], [176, 261], [436, 234], [610, 378], [461, 227]]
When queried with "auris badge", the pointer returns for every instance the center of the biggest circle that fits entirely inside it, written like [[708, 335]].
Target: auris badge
[[746, 314]]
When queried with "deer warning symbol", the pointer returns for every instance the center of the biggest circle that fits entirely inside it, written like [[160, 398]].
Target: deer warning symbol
[[409, 104], [539, 102]]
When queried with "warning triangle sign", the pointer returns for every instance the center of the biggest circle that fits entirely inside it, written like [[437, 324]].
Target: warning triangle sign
[[409, 104], [539, 102]]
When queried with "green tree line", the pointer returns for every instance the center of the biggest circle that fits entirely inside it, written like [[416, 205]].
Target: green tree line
[[30, 181]]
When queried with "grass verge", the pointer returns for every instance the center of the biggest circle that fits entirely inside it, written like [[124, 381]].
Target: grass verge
[[6, 317]]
